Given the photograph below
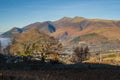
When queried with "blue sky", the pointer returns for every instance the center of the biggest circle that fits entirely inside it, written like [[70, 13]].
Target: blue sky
[[19, 13]]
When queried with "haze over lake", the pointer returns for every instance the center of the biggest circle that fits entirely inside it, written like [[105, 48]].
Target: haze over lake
[[1, 33], [4, 42]]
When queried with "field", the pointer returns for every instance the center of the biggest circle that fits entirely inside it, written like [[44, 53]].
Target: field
[[109, 57]]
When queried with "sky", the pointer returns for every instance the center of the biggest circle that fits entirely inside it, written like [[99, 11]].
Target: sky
[[19, 13]]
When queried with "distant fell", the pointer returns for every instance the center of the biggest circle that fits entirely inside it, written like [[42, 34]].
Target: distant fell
[[69, 29]]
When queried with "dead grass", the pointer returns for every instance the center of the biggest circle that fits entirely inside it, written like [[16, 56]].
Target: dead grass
[[70, 74]]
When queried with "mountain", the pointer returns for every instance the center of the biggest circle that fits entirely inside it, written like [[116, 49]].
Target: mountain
[[96, 33], [11, 32], [47, 26]]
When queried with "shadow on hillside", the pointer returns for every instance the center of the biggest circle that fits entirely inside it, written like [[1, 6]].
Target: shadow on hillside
[[37, 65], [28, 64], [47, 71], [55, 70]]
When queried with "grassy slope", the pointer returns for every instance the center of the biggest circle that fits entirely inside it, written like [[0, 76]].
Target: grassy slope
[[85, 71], [106, 58]]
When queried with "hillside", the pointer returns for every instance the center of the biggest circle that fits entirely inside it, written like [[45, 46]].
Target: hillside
[[72, 72], [79, 30], [93, 74]]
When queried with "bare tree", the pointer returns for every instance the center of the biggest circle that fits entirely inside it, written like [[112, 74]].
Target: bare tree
[[80, 54]]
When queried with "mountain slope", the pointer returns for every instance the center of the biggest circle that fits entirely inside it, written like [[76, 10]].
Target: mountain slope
[[47, 26], [90, 31], [13, 31], [77, 24]]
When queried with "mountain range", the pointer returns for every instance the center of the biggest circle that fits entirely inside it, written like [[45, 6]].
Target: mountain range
[[98, 34]]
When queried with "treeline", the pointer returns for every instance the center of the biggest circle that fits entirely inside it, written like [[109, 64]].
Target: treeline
[[34, 45]]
